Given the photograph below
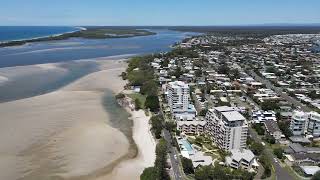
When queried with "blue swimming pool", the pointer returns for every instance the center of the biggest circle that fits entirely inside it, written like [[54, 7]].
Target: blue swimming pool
[[186, 145]]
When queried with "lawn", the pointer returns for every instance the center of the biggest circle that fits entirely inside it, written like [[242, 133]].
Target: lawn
[[134, 96]]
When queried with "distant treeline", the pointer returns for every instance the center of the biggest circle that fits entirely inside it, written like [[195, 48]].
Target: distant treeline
[[90, 33], [250, 31]]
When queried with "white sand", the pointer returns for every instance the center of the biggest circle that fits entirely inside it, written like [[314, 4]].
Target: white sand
[[65, 133], [132, 169]]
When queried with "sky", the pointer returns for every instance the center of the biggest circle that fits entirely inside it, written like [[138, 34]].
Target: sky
[[158, 12]]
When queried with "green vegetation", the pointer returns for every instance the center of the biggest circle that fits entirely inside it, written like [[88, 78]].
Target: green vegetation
[[90, 33], [270, 139], [156, 125], [257, 148], [266, 163], [221, 172], [136, 96], [137, 104], [152, 102], [269, 105], [158, 172], [316, 176], [187, 165], [148, 173], [259, 129], [284, 127], [278, 152]]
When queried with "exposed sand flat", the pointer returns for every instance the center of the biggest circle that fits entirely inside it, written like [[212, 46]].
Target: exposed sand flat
[[146, 150], [65, 133]]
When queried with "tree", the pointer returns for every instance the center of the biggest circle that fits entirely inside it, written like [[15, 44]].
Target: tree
[[284, 127], [170, 126], [270, 139], [269, 105], [203, 173], [278, 152], [152, 102], [223, 69], [137, 104], [149, 88], [148, 173], [256, 148], [156, 125], [161, 160], [187, 165], [198, 73], [259, 129], [316, 176]]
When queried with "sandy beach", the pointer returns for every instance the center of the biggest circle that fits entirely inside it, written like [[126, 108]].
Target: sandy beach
[[66, 134]]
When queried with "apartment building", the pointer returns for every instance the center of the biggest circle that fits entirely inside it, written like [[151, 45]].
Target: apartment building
[[298, 123], [313, 127], [227, 128], [191, 127], [178, 100]]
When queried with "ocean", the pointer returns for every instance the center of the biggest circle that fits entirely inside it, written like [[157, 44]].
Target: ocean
[[10, 33]]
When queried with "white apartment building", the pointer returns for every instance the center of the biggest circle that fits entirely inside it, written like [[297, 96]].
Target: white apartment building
[[227, 128], [242, 158], [298, 123], [313, 127], [178, 96], [178, 100], [191, 127]]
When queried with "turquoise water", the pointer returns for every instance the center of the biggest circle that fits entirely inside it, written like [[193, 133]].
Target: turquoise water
[[187, 145]]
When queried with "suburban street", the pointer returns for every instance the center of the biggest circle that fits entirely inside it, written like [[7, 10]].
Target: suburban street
[[280, 172], [280, 92], [172, 154]]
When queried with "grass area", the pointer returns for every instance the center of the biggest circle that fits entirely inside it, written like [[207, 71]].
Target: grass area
[[142, 98]]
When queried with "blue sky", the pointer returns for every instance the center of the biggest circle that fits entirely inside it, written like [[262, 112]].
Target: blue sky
[[158, 12]]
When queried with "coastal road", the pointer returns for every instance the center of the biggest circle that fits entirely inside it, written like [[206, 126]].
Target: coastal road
[[280, 172], [173, 155], [280, 92]]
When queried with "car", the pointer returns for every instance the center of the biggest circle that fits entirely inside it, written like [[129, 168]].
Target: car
[[275, 159]]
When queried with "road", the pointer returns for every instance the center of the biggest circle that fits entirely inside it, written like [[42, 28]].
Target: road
[[172, 154], [171, 150], [280, 172], [280, 92]]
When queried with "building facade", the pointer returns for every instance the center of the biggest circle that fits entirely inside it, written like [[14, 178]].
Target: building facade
[[298, 123], [227, 128], [313, 127]]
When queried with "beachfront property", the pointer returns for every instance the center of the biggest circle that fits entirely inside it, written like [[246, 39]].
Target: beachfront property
[[227, 128], [178, 101], [197, 157], [191, 127], [242, 158]]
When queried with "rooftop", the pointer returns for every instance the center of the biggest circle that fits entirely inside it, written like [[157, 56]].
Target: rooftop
[[233, 116]]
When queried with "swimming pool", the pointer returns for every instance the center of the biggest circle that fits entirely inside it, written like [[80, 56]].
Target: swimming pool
[[186, 145]]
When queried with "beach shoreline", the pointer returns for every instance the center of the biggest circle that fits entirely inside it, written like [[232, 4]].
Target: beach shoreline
[[67, 133]]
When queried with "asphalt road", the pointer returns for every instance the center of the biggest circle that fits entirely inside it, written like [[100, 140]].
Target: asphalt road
[[280, 172], [172, 154], [280, 92]]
